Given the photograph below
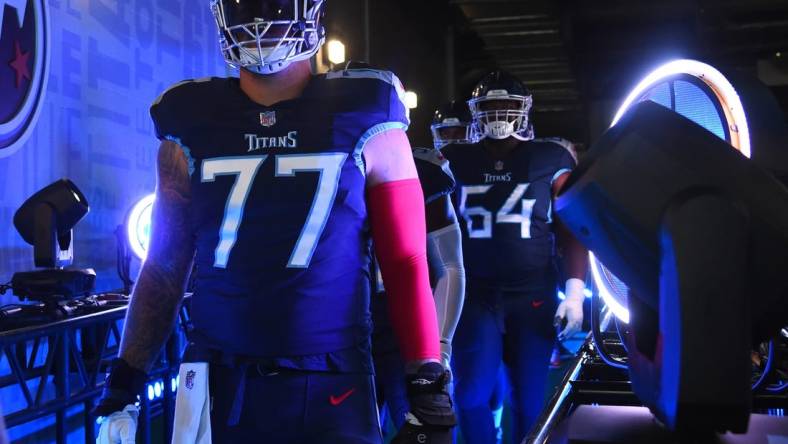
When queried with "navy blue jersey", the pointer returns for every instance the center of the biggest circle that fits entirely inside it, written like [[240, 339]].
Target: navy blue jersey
[[278, 210], [434, 173], [506, 209]]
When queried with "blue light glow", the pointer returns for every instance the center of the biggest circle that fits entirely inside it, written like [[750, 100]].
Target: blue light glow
[[138, 226], [150, 392], [586, 292]]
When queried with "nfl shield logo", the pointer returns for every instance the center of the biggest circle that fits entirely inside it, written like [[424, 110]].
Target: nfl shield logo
[[499, 165], [268, 118], [190, 379]]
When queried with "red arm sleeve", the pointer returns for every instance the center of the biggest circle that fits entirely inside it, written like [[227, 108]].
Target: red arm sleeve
[[396, 212]]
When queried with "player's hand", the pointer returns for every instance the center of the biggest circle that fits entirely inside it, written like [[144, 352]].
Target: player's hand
[[571, 309], [431, 416], [119, 427], [117, 407]]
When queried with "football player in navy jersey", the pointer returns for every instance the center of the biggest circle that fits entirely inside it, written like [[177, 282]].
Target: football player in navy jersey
[[444, 256], [273, 185], [505, 189]]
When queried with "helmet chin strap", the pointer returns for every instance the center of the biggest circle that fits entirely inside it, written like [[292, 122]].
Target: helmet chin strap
[[499, 130], [502, 134], [252, 62], [264, 70]]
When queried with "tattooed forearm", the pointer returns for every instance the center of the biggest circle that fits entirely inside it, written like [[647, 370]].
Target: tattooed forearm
[[157, 296]]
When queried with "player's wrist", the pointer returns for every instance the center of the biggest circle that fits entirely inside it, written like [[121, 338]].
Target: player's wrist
[[446, 354], [412, 367], [123, 385]]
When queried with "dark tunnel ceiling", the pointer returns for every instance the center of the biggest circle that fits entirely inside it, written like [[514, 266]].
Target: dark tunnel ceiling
[[572, 52]]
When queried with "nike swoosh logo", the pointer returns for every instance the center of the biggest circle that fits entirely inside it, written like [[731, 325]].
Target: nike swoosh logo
[[336, 400], [536, 304]]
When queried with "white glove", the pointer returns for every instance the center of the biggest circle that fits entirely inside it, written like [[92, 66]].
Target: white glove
[[571, 308], [119, 427]]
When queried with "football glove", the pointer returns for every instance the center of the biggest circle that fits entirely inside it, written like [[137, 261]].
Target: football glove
[[117, 406], [431, 416], [571, 309]]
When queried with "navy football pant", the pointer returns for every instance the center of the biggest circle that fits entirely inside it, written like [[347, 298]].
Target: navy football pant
[[389, 366], [516, 330], [390, 383], [297, 407]]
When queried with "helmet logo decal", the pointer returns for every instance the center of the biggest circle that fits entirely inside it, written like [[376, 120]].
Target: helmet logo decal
[[497, 93]]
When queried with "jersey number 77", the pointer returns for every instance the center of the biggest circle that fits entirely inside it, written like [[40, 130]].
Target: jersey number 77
[[327, 165]]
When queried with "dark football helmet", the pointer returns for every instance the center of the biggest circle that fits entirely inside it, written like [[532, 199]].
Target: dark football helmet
[[452, 123], [500, 107], [266, 36]]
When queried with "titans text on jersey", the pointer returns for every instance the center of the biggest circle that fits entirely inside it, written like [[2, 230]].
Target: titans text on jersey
[[257, 143], [279, 213], [506, 207]]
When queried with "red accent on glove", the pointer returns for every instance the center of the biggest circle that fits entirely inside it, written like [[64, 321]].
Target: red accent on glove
[[396, 212]]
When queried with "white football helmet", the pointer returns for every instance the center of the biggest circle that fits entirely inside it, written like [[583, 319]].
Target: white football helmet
[[266, 36]]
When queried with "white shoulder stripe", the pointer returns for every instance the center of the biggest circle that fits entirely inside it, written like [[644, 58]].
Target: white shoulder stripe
[[384, 76]]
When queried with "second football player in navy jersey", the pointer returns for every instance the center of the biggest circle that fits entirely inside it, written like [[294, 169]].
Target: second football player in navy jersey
[[505, 188], [444, 257]]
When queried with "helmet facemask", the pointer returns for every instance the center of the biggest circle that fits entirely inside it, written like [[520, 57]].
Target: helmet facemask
[[266, 36], [451, 130], [500, 115]]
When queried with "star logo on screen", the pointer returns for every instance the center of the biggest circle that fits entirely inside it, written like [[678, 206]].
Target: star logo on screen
[[24, 40]]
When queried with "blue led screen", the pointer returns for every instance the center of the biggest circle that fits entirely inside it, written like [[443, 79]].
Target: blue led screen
[[695, 104], [109, 59], [88, 121], [689, 100]]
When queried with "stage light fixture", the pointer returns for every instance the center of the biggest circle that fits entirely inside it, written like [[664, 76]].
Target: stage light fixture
[[655, 201], [46, 221], [729, 112]]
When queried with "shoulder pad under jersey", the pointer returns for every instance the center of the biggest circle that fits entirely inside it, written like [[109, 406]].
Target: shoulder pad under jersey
[[434, 173], [565, 144], [185, 105], [378, 94]]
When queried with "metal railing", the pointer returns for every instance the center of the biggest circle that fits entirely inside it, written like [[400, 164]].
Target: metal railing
[[60, 364]]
